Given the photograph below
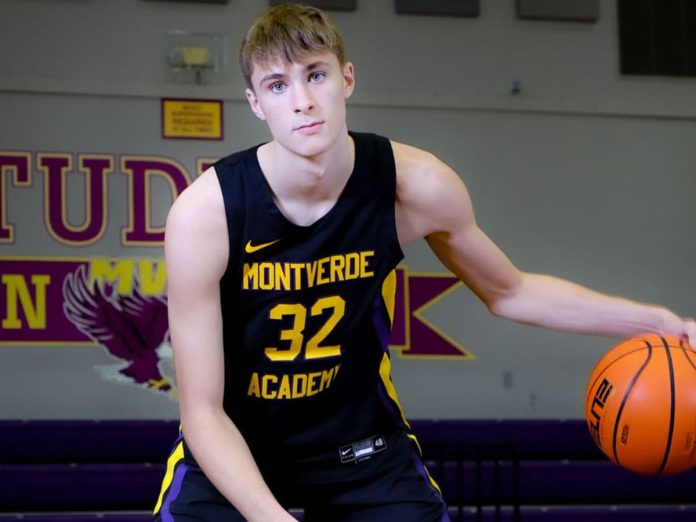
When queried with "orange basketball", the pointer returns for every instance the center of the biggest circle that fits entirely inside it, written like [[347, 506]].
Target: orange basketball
[[640, 405]]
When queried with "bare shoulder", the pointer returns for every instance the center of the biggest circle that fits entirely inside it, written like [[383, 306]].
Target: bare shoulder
[[430, 196], [196, 230], [203, 195], [421, 175], [411, 161]]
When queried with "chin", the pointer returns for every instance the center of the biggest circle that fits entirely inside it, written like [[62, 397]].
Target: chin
[[309, 146]]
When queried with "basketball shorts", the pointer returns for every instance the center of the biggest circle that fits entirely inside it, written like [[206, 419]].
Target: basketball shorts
[[402, 493]]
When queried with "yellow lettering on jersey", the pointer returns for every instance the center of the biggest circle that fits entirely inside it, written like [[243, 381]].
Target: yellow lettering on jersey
[[365, 264], [297, 271], [284, 389], [254, 389], [312, 383], [250, 276], [311, 273], [282, 276], [299, 385], [322, 277], [338, 264], [352, 266], [294, 386], [266, 272], [268, 275], [266, 382], [328, 377]]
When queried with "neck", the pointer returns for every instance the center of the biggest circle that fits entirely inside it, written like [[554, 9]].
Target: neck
[[319, 176], [306, 187]]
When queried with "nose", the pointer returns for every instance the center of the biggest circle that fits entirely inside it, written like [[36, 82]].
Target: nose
[[303, 100]]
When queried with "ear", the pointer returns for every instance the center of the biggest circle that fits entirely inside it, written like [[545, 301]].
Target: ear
[[348, 79], [254, 104]]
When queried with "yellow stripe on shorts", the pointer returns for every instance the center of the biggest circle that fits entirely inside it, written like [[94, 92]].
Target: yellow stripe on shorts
[[176, 456]]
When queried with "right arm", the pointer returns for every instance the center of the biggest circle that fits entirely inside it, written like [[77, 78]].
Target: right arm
[[196, 254], [432, 202]]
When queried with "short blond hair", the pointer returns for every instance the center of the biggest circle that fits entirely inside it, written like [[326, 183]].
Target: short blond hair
[[288, 32]]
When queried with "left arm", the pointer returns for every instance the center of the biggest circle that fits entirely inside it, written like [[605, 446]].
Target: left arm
[[432, 202]]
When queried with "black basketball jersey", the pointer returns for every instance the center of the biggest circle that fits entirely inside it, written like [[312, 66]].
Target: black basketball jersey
[[306, 316]]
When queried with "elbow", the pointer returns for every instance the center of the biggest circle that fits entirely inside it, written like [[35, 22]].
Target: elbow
[[514, 310], [499, 307], [198, 417], [507, 303]]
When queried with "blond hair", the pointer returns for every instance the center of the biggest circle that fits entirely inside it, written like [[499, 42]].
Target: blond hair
[[288, 33]]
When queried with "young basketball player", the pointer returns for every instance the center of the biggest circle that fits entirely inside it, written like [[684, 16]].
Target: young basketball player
[[281, 266]]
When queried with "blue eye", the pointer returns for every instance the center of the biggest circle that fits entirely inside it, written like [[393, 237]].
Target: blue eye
[[277, 87], [317, 76]]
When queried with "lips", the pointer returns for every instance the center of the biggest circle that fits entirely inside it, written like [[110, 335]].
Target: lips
[[308, 127]]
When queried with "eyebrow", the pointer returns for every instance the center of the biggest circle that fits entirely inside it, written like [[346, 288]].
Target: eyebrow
[[278, 76], [316, 65], [272, 76]]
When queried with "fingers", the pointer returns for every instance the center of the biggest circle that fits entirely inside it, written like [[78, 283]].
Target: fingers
[[689, 334]]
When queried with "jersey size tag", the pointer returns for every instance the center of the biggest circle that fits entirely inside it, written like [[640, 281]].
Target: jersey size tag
[[362, 450]]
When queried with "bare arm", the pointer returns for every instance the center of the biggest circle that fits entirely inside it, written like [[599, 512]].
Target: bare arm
[[196, 252], [432, 202]]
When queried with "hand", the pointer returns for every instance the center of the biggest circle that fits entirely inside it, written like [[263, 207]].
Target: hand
[[689, 334], [683, 328]]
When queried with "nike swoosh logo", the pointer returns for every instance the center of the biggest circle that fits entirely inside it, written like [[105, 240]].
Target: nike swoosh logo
[[250, 249]]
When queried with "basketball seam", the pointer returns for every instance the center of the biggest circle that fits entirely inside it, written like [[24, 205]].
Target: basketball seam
[[606, 368], [671, 409], [624, 399], [686, 354]]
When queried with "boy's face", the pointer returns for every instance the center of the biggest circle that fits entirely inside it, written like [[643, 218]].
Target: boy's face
[[303, 103]]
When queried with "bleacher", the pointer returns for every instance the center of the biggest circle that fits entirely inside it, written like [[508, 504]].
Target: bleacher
[[507, 470]]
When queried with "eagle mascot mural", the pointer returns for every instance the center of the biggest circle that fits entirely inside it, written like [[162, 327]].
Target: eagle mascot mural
[[133, 328]]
